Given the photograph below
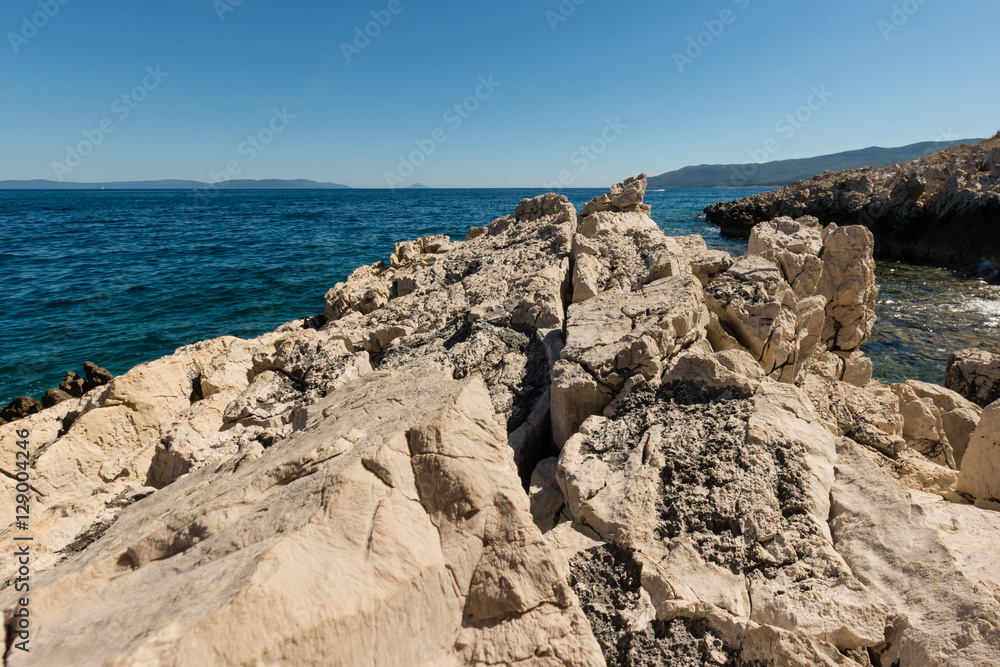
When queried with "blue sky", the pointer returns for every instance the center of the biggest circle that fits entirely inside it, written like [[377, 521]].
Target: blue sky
[[546, 91]]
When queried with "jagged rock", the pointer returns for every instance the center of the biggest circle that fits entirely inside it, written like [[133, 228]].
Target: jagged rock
[[620, 334], [476, 232], [717, 370], [54, 397], [86, 451], [588, 278], [621, 248], [96, 376], [937, 422], [492, 305], [853, 367], [760, 311], [73, 385], [975, 374], [415, 521], [576, 395], [623, 197], [868, 415], [795, 247], [836, 263], [980, 473], [933, 562], [939, 209], [546, 497], [849, 285]]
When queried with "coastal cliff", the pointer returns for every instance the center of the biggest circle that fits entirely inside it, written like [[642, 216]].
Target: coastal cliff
[[566, 440], [943, 208]]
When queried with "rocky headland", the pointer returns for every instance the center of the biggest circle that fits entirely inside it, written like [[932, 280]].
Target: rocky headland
[[566, 440], [943, 208]]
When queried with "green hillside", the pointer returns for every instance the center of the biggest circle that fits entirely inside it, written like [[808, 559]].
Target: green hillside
[[783, 172]]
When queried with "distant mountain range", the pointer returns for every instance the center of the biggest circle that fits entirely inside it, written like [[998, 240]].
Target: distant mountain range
[[784, 172], [243, 184]]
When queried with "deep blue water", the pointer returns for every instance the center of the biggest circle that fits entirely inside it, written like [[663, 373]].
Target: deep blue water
[[123, 277]]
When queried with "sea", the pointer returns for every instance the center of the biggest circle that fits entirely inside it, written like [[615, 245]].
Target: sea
[[124, 277]]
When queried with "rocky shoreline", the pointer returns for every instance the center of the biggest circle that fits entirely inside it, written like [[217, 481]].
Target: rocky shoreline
[[72, 386], [567, 440], [940, 209]]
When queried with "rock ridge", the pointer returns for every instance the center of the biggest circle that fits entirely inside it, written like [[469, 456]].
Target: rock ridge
[[941, 209]]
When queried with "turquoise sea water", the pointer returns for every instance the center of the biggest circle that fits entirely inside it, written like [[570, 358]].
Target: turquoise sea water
[[123, 277]]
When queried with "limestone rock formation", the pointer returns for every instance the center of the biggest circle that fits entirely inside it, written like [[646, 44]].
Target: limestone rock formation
[[834, 262], [937, 422], [719, 501], [391, 528], [758, 310], [975, 374], [980, 475], [942, 208], [567, 440], [20, 408]]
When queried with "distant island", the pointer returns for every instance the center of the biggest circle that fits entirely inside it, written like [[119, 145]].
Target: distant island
[[418, 186], [170, 184], [785, 172]]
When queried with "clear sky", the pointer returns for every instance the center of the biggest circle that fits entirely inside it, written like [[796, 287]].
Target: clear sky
[[177, 88]]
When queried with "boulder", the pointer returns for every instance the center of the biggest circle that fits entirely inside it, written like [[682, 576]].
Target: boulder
[[795, 246], [54, 396], [73, 385], [713, 504], [835, 262], [975, 374], [849, 285], [868, 415], [96, 376], [717, 370], [759, 311], [937, 422], [306, 553], [980, 473], [619, 247], [20, 408], [623, 197]]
